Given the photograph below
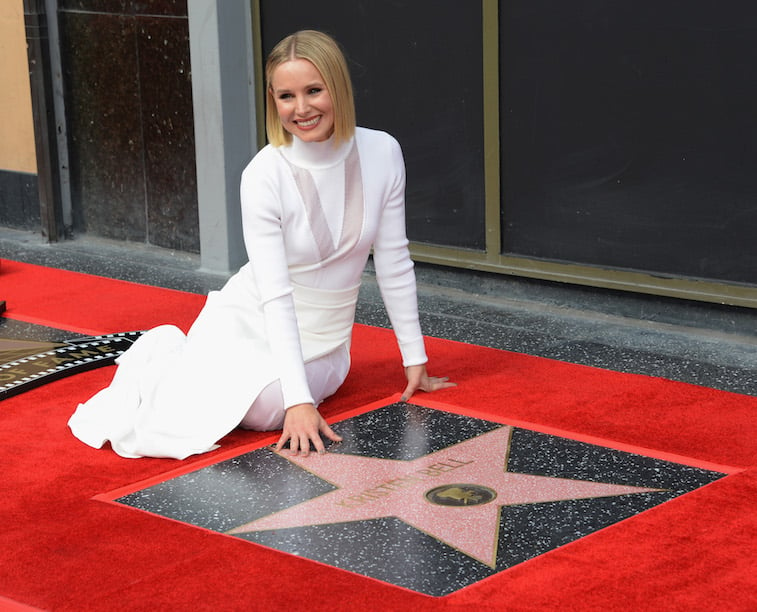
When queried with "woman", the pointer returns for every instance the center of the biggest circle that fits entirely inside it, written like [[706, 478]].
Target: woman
[[274, 342]]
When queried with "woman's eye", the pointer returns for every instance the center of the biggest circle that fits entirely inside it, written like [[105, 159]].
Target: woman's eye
[[285, 96], [315, 90]]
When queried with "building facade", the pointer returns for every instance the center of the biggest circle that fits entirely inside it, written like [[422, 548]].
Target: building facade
[[590, 143]]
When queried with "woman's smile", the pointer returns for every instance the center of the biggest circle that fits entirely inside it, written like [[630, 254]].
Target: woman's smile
[[308, 123]]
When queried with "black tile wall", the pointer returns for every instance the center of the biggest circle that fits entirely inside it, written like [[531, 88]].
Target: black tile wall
[[19, 200], [129, 111], [98, 6], [168, 132], [103, 117], [175, 8]]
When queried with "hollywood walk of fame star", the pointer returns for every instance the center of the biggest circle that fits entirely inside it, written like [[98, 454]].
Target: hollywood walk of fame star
[[471, 477]]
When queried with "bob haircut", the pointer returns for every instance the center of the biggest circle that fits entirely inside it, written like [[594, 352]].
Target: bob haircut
[[324, 53]]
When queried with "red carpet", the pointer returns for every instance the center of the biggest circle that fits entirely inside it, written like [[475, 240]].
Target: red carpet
[[62, 550]]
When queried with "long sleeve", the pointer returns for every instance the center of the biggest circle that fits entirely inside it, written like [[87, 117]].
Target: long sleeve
[[262, 218], [395, 270]]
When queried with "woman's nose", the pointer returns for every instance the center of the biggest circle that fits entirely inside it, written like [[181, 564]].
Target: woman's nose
[[302, 105]]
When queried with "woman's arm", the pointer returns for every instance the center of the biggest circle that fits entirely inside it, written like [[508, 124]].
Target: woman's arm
[[396, 277], [395, 271], [263, 217]]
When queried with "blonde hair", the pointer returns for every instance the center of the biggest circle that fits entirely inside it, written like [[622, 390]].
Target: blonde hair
[[324, 53]]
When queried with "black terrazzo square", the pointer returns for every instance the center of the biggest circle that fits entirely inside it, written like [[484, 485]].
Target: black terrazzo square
[[422, 498]]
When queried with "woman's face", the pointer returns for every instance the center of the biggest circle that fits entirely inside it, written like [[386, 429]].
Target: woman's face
[[302, 100]]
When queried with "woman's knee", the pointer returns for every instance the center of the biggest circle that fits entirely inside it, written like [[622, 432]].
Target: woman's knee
[[267, 411]]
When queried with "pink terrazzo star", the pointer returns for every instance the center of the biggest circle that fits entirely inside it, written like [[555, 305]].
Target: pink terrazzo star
[[371, 488]]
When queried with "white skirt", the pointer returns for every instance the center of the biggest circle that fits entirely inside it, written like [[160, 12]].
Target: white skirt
[[175, 395]]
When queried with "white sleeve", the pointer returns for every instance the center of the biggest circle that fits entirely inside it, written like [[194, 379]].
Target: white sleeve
[[395, 270], [264, 241]]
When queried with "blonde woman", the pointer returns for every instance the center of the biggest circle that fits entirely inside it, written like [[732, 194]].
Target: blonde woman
[[271, 345]]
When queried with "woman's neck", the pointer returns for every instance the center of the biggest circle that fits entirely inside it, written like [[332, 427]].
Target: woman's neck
[[314, 155]]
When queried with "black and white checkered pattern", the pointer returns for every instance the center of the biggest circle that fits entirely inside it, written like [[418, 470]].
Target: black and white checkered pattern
[[76, 356]]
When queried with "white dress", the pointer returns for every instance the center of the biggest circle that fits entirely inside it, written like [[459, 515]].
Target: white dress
[[311, 214]]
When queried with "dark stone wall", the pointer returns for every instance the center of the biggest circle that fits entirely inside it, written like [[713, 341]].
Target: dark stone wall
[[19, 200], [129, 117]]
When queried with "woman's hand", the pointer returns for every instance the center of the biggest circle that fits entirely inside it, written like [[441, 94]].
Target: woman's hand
[[303, 424], [418, 378]]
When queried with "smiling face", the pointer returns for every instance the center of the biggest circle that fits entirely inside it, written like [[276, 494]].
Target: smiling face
[[302, 100]]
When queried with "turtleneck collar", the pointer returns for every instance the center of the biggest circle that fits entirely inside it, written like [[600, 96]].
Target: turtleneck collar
[[315, 155]]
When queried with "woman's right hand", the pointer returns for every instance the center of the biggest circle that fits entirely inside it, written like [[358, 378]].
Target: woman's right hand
[[303, 425]]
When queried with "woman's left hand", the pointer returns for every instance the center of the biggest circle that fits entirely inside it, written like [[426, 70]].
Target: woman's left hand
[[418, 378]]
